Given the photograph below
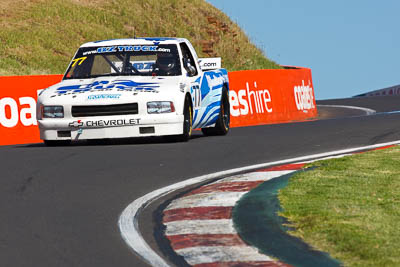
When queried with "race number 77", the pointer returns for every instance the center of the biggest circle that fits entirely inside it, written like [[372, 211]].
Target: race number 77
[[78, 60], [196, 94]]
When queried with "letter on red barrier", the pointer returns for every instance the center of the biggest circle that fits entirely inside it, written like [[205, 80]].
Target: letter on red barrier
[[8, 112], [18, 95], [271, 96]]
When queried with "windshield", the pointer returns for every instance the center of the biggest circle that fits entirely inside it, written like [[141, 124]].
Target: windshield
[[142, 60]]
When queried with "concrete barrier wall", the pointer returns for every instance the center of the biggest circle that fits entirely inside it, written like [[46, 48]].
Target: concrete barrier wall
[[256, 97]]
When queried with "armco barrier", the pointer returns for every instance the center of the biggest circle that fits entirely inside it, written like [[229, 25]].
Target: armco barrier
[[256, 97]]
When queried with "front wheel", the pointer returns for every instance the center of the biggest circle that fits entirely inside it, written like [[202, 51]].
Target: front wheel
[[187, 124], [222, 124]]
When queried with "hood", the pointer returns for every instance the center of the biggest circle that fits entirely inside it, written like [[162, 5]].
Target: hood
[[110, 89]]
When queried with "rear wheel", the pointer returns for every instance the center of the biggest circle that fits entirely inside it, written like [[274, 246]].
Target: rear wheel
[[222, 124]]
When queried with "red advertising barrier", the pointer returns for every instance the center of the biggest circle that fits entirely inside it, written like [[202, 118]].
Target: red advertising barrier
[[18, 96], [256, 97], [271, 96]]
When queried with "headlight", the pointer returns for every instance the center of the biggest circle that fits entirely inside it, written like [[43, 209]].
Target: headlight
[[157, 107], [52, 112]]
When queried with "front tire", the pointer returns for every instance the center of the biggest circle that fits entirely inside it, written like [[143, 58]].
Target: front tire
[[187, 121], [223, 122], [187, 124]]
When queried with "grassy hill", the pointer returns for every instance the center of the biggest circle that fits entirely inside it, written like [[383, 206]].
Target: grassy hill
[[41, 36]]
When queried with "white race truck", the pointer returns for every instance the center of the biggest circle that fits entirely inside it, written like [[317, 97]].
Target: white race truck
[[135, 87]]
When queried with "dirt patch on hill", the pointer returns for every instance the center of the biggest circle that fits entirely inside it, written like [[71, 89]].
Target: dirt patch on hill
[[11, 8], [8, 6], [89, 2]]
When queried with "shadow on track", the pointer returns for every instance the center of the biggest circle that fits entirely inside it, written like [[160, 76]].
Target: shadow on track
[[118, 141]]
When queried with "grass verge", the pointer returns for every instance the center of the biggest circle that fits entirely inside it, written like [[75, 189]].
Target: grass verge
[[41, 36], [349, 207]]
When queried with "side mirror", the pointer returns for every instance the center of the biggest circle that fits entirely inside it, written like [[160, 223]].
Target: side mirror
[[189, 68]]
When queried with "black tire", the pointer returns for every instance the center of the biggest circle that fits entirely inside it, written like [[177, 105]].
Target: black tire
[[222, 124], [187, 121], [57, 142], [187, 124]]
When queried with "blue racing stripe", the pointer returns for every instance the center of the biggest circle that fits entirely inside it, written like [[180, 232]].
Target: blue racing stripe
[[195, 115], [218, 87], [209, 107], [214, 119]]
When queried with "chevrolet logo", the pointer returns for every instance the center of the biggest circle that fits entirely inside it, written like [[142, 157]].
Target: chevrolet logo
[[76, 124]]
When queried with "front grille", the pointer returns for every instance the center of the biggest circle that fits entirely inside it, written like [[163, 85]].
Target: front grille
[[104, 110]]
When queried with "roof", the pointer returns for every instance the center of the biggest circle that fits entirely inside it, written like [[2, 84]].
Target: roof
[[136, 41]]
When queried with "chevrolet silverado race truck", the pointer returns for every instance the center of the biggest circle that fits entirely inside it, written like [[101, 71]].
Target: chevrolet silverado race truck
[[135, 87]]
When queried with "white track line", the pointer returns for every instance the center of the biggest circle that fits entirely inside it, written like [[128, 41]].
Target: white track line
[[368, 111], [221, 199], [200, 227], [128, 221], [254, 176], [199, 255]]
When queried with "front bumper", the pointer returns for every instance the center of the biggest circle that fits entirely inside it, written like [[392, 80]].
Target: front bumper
[[110, 127]]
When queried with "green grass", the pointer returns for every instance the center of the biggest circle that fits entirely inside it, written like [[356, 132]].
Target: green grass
[[41, 36], [349, 207]]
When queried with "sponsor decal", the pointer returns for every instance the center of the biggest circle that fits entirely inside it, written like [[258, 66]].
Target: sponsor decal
[[89, 52], [165, 50], [142, 66], [76, 124], [104, 96], [131, 48], [145, 65], [304, 96], [210, 64], [104, 123], [12, 112], [120, 85], [110, 49], [246, 101]]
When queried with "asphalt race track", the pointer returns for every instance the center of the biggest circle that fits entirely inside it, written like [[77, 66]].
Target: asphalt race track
[[60, 206]]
